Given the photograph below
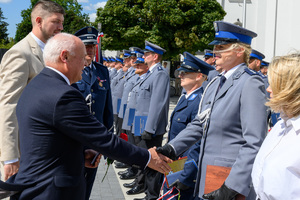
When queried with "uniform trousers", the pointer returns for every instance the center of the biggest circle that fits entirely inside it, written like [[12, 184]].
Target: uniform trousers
[[152, 179]]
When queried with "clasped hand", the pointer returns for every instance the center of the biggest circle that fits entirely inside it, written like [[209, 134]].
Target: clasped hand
[[159, 162]]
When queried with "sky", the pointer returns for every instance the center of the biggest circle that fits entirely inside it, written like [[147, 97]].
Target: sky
[[12, 11]]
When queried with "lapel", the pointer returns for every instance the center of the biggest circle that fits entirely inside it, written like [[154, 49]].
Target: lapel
[[85, 76], [35, 48], [94, 73], [182, 103], [149, 73], [230, 81]]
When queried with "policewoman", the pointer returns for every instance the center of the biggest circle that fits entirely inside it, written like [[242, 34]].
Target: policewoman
[[95, 87], [192, 73], [232, 119]]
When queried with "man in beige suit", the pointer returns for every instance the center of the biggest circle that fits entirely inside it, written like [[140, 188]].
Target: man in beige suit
[[19, 65]]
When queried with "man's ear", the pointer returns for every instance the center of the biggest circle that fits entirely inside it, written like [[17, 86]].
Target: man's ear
[[64, 56], [38, 21]]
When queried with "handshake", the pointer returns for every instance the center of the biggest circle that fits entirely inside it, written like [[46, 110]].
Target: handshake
[[160, 157]]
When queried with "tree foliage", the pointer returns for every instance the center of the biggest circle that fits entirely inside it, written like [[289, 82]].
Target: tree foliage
[[3, 28], [74, 19], [175, 25]]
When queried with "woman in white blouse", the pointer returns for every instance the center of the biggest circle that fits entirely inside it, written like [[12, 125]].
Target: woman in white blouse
[[276, 169]]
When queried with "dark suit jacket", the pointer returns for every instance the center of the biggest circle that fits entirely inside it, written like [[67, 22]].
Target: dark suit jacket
[[55, 124]]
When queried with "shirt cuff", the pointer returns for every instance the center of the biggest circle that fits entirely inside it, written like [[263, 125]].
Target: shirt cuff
[[11, 161], [148, 159]]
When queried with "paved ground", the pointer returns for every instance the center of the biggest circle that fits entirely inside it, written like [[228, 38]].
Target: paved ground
[[112, 187]]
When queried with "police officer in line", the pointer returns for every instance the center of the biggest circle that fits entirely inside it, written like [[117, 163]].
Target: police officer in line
[[193, 72], [152, 106], [209, 58], [112, 69], [118, 90], [129, 82], [264, 67], [95, 87], [141, 70], [255, 61], [114, 81], [105, 60], [232, 118]]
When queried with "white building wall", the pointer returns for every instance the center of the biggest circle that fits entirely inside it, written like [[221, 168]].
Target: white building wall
[[275, 22]]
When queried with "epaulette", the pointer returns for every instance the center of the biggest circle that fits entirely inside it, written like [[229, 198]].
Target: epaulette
[[192, 97], [159, 68], [250, 71]]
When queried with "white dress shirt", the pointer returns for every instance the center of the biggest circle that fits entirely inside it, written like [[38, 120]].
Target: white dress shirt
[[276, 169]]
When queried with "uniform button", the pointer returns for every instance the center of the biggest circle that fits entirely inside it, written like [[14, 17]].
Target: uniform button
[[92, 90], [93, 113], [93, 101], [178, 119]]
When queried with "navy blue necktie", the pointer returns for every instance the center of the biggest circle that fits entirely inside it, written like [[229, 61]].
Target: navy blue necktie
[[222, 81], [89, 71]]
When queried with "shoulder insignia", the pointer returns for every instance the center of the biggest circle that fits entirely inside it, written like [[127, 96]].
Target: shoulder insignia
[[237, 75], [250, 71], [159, 68], [192, 97]]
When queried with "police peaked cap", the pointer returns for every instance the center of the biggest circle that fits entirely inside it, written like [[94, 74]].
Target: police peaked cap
[[230, 33], [134, 50], [257, 55], [193, 64], [150, 47], [88, 35], [208, 53]]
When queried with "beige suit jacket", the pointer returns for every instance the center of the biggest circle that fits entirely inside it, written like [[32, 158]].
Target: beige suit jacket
[[18, 66]]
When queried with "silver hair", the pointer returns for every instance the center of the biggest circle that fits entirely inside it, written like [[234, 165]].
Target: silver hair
[[56, 44]]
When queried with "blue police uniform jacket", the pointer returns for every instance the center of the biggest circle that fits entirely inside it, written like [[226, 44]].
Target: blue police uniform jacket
[[98, 85], [231, 125], [152, 104], [128, 85], [184, 112]]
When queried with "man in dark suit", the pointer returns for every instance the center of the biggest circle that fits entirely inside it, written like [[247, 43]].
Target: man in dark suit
[[55, 123], [95, 87]]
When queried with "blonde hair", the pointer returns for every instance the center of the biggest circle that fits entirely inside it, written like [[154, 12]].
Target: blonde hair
[[247, 50], [284, 79]]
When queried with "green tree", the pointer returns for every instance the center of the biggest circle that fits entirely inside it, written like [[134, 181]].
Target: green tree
[[3, 29], [175, 25], [74, 19]]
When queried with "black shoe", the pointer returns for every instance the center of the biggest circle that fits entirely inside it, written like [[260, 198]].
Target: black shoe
[[129, 175], [136, 190], [140, 198], [121, 165], [129, 185], [123, 172]]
